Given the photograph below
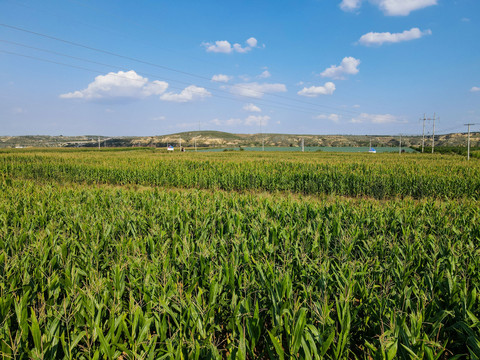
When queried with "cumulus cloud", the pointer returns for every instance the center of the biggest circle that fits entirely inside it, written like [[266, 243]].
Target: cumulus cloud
[[190, 93], [251, 108], [221, 78], [350, 5], [225, 47], [264, 75], [348, 66], [403, 7], [332, 117], [314, 91], [120, 85], [252, 42], [390, 7], [375, 38], [475, 89], [238, 48], [376, 119], [220, 46], [256, 90]]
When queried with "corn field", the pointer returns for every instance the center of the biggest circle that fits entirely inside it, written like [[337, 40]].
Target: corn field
[[141, 255], [381, 176]]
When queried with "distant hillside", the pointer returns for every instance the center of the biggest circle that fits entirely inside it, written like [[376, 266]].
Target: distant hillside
[[224, 139]]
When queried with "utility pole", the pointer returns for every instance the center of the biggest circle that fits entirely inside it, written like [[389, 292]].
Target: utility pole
[[195, 142], [99, 143], [261, 133], [433, 137], [423, 132], [400, 145], [303, 145], [468, 143]]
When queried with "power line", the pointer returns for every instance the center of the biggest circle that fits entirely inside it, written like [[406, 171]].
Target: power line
[[264, 101], [433, 135], [261, 101], [110, 14], [101, 51], [443, 131], [165, 67], [296, 107]]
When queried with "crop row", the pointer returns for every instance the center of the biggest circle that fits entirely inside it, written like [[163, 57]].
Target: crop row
[[382, 177], [103, 272]]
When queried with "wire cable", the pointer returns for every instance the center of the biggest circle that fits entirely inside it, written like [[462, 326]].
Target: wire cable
[[267, 102], [165, 67], [261, 101]]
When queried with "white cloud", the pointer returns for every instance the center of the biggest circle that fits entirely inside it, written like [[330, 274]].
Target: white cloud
[[225, 47], [229, 122], [402, 7], [130, 85], [251, 120], [376, 119], [390, 7], [332, 117], [159, 118], [348, 66], [356, 106], [314, 91], [350, 5], [221, 46], [221, 78], [251, 108], [264, 75], [120, 85], [256, 90], [190, 93], [257, 120], [375, 38], [238, 48], [475, 89], [252, 42]]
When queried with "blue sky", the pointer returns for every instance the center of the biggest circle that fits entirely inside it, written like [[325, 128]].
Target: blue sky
[[113, 68]]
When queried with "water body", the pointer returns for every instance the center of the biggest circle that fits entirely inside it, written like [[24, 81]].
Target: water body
[[314, 149]]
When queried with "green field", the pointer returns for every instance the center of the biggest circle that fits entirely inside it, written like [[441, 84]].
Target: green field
[[359, 149], [140, 254]]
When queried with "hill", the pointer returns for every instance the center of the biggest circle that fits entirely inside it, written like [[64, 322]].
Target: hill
[[225, 139]]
